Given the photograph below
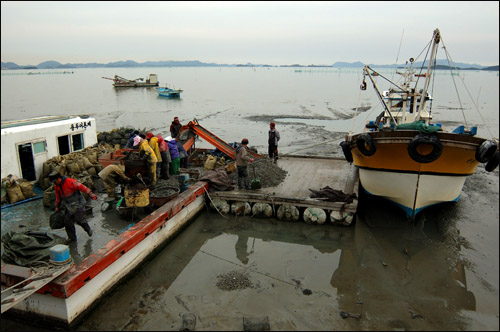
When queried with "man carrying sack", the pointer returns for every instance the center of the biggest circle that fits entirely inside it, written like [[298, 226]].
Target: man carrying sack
[[69, 192]]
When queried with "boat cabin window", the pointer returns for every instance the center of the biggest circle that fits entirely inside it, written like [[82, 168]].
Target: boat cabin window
[[77, 142], [70, 143], [38, 147]]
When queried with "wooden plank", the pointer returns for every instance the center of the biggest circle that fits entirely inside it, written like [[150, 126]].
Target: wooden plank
[[12, 296], [304, 173]]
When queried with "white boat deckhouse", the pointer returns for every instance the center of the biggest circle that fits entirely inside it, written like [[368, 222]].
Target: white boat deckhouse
[[28, 143]]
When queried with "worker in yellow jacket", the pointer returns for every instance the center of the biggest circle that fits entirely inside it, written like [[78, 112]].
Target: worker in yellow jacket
[[150, 156], [155, 145]]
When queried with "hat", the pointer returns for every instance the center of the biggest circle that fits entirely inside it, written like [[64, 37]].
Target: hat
[[273, 124], [168, 139], [137, 140], [244, 141], [149, 135], [54, 175]]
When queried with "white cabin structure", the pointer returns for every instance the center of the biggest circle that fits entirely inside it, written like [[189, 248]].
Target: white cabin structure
[[28, 143]]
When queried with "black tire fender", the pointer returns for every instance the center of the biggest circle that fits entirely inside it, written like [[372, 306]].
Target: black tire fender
[[492, 163], [365, 140], [437, 148], [486, 151], [347, 151]]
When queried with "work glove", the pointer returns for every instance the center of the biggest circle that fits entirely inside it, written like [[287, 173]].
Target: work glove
[[93, 196]]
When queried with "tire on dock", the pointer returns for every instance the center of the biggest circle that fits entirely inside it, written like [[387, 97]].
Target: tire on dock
[[262, 210], [241, 208], [314, 215], [221, 205], [341, 218], [288, 213]]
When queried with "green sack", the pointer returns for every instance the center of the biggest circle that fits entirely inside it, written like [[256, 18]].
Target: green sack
[[57, 220]]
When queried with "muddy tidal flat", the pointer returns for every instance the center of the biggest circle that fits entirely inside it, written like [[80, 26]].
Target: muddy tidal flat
[[381, 273]]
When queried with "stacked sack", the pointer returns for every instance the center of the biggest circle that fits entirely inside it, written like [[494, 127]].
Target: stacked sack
[[81, 166], [15, 189]]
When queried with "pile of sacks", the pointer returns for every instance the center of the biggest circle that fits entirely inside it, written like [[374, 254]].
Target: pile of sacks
[[15, 189], [81, 166]]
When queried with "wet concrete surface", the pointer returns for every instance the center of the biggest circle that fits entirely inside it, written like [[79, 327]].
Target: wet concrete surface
[[381, 273]]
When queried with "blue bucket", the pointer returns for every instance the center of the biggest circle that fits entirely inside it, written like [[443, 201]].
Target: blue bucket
[[183, 182]]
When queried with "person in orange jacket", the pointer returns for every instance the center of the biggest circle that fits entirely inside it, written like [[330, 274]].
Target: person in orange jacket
[[69, 192]]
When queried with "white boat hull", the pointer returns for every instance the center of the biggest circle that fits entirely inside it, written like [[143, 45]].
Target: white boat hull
[[412, 191]]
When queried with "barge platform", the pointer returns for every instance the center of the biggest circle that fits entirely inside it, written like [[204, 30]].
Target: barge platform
[[66, 300]]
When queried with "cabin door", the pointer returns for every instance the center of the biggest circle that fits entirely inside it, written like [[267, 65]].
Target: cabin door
[[27, 161]]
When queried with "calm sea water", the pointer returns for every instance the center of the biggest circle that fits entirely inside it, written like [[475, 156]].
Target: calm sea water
[[238, 102], [446, 271]]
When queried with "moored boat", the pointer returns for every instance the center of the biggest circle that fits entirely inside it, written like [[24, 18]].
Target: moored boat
[[405, 157], [120, 82], [169, 93]]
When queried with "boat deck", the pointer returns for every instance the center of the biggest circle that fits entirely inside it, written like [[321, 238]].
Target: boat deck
[[304, 173]]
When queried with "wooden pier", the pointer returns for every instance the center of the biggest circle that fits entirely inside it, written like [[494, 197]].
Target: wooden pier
[[306, 173]]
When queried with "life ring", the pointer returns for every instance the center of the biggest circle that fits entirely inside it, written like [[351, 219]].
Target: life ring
[[437, 148], [486, 151], [347, 151], [492, 163], [363, 141]]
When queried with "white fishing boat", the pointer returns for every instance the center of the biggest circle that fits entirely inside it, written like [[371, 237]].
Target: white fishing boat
[[405, 157], [28, 143]]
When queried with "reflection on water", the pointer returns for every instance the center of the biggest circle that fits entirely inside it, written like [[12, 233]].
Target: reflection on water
[[395, 274]]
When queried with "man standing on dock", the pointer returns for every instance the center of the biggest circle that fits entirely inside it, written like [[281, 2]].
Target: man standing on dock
[[69, 191], [274, 137], [242, 159]]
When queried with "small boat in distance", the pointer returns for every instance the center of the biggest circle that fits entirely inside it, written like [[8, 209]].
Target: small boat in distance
[[404, 157], [168, 93], [120, 82]]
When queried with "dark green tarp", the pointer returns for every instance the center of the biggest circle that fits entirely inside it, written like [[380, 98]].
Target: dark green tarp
[[27, 248], [420, 126]]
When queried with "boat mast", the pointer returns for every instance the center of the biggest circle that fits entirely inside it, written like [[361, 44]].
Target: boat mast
[[379, 95], [436, 39]]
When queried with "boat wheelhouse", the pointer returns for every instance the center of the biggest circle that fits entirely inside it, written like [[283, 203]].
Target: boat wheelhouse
[[28, 143]]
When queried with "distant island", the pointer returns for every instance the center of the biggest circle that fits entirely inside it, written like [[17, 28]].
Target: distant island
[[440, 64]]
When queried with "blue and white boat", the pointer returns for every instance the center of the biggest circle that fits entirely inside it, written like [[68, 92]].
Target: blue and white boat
[[169, 93]]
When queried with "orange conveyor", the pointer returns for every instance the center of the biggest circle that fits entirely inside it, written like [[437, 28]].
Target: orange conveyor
[[195, 127]]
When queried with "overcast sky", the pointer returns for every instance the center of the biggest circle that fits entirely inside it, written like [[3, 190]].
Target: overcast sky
[[271, 33]]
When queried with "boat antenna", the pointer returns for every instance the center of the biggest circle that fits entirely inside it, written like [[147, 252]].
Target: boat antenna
[[397, 56]]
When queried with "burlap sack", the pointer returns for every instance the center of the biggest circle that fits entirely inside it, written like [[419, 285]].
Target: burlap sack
[[15, 193], [49, 198], [27, 189], [72, 167], [86, 163]]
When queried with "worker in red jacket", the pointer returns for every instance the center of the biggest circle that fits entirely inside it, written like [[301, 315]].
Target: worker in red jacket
[[69, 192]]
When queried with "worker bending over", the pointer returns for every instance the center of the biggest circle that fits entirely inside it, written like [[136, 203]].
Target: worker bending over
[[112, 174]]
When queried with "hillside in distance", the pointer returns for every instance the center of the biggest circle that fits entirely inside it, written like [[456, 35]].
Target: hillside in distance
[[440, 64]]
